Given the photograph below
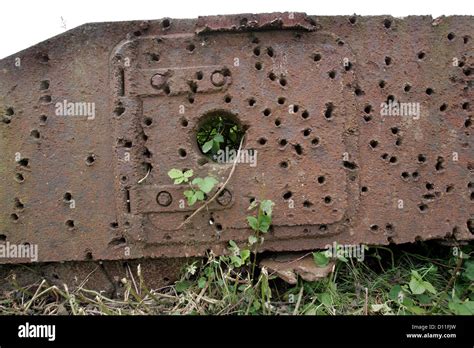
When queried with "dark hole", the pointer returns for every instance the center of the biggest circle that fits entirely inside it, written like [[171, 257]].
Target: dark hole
[[421, 55], [258, 66], [439, 163], [277, 122], [329, 110], [332, 74], [421, 158], [270, 51], [327, 199], [262, 141], [423, 207], [281, 100], [148, 121], [283, 142], [352, 19], [228, 99], [451, 36], [298, 149], [316, 57], [191, 47], [373, 143], [388, 60], [394, 130], [24, 162], [321, 179], [284, 164], [429, 186], [182, 153], [443, 107], [368, 109], [287, 195], [387, 23], [166, 23], [407, 88], [256, 51], [305, 114], [307, 204], [405, 175], [382, 84], [44, 85], [429, 91], [364, 189], [252, 102], [307, 132], [67, 196], [267, 112], [283, 81], [70, 223]]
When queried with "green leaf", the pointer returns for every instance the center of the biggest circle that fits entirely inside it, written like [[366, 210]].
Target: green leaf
[[199, 195], [218, 138], [252, 240], [469, 272], [244, 255], [427, 285], [320, 259], [325, 299], [252, 220], [192, 199], [253, 205], [178, 181], [202, 282], [461, 308], [394, 293], [264, 223], [416, 284], [233, 244], [182, 285], [189, 173], [207, 184], [175, 173], [267, 206], [196, 181], [188, 193], [207, 146]]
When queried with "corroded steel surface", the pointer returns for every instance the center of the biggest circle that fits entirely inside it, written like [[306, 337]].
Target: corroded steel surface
[[307, 89]]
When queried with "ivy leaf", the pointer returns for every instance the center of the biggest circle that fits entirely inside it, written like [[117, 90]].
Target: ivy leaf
[[207, 146], [183, 285], [192, 199], [196, 181], [218, 138], [202, 282], [267, 207], [188, 193], [320, 259], [244, 255], [253, 222], [207, 184], [416, 283], [175, 173]]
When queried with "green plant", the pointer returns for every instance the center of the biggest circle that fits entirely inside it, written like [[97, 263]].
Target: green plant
[[198, 187]]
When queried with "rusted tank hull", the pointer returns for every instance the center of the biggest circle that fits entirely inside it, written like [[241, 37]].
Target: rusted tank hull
[[93, 119]]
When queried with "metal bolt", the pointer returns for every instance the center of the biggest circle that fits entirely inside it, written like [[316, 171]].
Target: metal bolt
[[224, 198], [164, 198], [217, 78], [158, 81]]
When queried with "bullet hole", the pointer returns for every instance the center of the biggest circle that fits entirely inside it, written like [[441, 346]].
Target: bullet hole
[[44, 85], [262, 141], [283, 142], [340, 42], [382, 84], [258, 66], [43, 58], [415, 175], [277, 122], [267, 112], [184, 122], [287, 195], [367, 118], [256, 51], [350, 165], [3, 238], [348, 66], [373, 144], [298, 149], [67, 197], [439, 163], [429, 91], [394, 130], [166, 23], [252, 102], [387, 23], [305, 114], [24, 162], [429, 186], [270, 52], [283, 82], [88, 255], [137, 33], [281, 100], [228, 99], [467, 71], [119, 110], [389, 227], [19, 177], [70, 223], [295, 108], [465, 106], [19, 204], [358, 92], [407, 88], [154, 57], [374, 228], [90, 159], [327, 200], [468, 123], [321, 179], [307, 132], [35, 134], [421, 55], [191, 99], [46, 99], [272, 76], [465, 39], [284, 164], [182, 153], [147, 121], [398, 142], [368, 109], [218, 227], [329, 110], [364, 189], [191, 47], [390, 98], [393, 160], [317, 57], [323, 228], [388, 61], [450, 188], [14, 217], [332, 74], [443, 107], [422, 207], [451, 36], [352, 19], [384, 156]]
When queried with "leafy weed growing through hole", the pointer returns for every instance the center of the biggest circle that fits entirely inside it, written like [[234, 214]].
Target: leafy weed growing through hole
[[198, 187]]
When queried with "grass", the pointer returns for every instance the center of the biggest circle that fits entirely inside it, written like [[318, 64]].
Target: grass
[[423, 278]]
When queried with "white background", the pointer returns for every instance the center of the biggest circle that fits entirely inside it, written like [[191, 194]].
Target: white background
[[25, 23]]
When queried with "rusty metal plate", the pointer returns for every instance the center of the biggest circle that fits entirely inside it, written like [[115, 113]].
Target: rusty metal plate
[[92, 121]]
